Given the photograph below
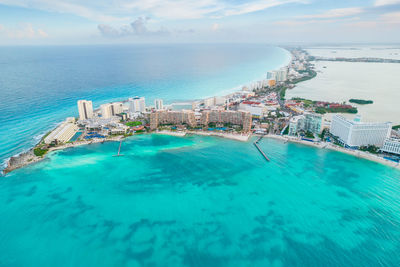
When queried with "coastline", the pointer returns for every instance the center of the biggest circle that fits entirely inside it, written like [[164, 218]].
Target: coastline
[[28, 158], [325, 145]]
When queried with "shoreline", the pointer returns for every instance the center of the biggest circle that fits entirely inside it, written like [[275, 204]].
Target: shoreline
[[325, 145], [28, 158]]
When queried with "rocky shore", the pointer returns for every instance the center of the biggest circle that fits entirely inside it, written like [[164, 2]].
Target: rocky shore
[[21, 160], [27, 158]]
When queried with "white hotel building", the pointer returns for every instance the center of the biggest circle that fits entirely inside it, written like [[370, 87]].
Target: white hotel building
[[62, 133], [111, 109], [356, 133], [137, 104], [85, 108], [392, 146]]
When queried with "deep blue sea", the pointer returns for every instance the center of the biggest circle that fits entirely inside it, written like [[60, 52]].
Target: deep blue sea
[[39, 86], [177, 201]]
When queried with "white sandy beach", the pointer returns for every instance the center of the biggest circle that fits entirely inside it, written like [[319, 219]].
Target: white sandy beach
[[325, 145], [237, 137]]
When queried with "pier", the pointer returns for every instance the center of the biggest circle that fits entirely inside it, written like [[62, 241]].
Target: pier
[[119, 150], [258, 147]]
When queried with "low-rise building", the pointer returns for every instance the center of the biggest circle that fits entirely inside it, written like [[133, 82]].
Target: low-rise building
[[62, 133], [392, 146], [255, 108]]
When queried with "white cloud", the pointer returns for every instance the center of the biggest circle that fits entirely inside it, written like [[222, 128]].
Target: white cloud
[[215, 27], [136, 28], [391, 18], [336, 13], [103, 11], [386, 2], [42, 33], [26, 31], [257, 6], [65, 6]]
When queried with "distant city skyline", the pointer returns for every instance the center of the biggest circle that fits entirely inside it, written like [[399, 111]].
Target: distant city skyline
[[168, 21]]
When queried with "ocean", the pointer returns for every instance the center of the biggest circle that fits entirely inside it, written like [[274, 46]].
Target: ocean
[[39, 86], [200, 201]]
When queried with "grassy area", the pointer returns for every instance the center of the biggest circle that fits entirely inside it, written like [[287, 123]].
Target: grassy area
[[133, 123], [39, 152], [370, 149], [282, 92], [309, 135], [306, 102]]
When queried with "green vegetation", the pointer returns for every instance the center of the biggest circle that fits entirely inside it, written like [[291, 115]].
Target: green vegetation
[[282, 92], [360, 101], [322, 135], [286, 132], [39, 152], [309, 135], [133, 123], [396, 127], [139, 131], [370, 149], [306, 102], [322, 110]]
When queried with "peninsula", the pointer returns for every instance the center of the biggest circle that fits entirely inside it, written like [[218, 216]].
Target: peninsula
[[259, 108]]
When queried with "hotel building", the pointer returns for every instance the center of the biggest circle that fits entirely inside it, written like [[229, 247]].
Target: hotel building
[[242, 118], [392, 146], [356, 133], [162, 117], [158, 104], [188, 117], [85, 109], [309, 122], [111, 109], [62, 133], [137, 104]]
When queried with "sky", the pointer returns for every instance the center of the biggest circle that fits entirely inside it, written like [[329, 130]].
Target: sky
[[64, 22]]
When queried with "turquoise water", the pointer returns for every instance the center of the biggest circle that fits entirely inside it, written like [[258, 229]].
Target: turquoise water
[[39, 86], [200, 201]]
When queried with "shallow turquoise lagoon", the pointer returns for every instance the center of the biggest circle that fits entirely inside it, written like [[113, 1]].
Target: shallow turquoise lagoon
[[200, 201]]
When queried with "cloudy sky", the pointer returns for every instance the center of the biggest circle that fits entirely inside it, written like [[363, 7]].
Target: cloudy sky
[[177, 21]]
